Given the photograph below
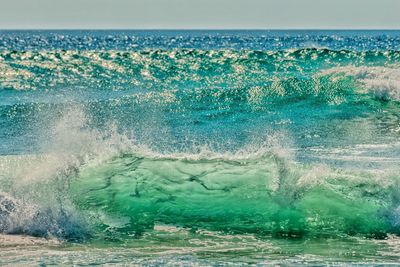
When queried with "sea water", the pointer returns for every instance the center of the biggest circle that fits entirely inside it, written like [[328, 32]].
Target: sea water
[[199, 147]]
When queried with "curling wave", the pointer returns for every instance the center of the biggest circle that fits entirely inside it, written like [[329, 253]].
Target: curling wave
[[104, 185]]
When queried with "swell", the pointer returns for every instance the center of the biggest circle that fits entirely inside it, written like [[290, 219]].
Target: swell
[[193, 67], [178, 76]]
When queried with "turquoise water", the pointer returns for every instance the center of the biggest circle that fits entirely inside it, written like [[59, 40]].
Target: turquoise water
[[199, 147]]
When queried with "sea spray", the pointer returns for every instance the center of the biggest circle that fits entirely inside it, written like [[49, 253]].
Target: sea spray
[[35, 200]]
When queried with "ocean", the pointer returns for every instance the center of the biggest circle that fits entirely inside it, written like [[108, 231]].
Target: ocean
[[205, 148]]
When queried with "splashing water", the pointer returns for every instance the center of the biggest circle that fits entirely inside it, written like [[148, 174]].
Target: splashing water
[[221, 149]]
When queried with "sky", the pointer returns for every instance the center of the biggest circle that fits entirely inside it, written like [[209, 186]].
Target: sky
[[199, 14]]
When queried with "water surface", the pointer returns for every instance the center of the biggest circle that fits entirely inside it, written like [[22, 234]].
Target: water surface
[[199, 147]]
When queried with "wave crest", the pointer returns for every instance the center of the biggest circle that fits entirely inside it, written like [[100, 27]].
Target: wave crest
[[383, 82]]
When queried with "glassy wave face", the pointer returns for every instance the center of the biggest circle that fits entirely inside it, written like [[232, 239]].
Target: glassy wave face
[[181, 141]]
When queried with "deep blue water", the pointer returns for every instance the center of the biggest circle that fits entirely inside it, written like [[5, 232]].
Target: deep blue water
[[199, 39]]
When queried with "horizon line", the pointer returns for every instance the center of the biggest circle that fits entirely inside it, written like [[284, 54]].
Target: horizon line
[[200, 29]]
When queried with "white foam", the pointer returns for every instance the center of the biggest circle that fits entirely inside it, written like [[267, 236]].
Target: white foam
[[272, 144], [37, 186], [384, 82], [23, 240]]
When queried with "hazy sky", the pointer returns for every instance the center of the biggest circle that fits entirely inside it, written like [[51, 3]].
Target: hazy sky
[[184, 14]]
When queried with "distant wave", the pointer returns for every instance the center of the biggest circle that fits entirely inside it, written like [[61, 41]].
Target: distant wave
[[253, 76]]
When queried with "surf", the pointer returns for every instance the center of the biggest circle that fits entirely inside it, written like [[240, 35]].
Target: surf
[[93, 184], [212, 145]]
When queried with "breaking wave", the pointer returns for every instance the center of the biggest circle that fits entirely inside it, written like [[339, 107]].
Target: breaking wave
[[102, 184]]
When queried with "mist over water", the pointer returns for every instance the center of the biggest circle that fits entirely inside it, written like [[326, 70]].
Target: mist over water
[[188, 146]]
